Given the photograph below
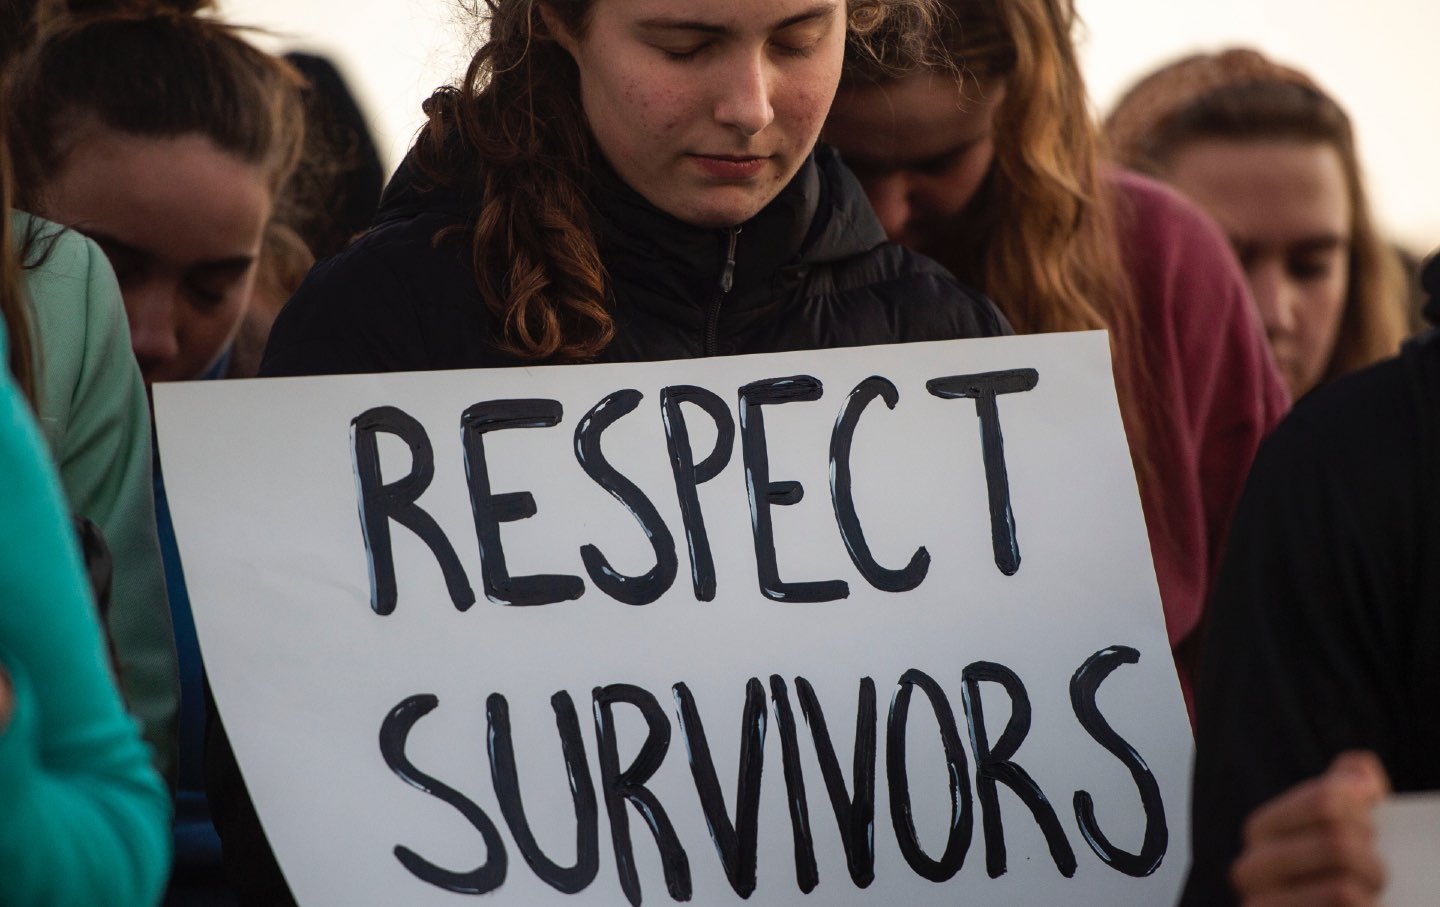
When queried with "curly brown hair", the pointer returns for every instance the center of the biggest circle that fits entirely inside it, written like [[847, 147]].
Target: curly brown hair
[[1239, 94], [512, 137]]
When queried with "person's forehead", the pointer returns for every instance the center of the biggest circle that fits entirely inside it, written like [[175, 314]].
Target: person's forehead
[[180, 200], [718, 15], [1265, 191], [911, 119]]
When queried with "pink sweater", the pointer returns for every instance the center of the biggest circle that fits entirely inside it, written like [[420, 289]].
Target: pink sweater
[[1214, 392]]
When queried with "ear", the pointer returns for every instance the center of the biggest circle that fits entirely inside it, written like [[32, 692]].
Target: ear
[[555, 28]]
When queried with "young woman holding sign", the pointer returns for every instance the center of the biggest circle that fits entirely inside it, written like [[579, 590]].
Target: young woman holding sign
[[629, 181], [624, 180]]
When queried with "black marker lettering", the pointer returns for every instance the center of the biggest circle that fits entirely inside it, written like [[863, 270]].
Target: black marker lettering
[[807, 874], [629, 785], [632, 590], [843, 499], [394, 731], [984, 389], [379, 503], [567, 880], [688, 476], [764, 494], [1083, 688], [855, 815], [957, 844], [993, 764], [735, 843], [493, 509]]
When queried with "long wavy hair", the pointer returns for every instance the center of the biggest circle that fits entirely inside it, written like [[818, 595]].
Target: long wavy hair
[[512, 138], [1042, 234], [1240, 95]]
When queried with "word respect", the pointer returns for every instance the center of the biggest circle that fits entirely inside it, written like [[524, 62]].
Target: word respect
[[382, 502]]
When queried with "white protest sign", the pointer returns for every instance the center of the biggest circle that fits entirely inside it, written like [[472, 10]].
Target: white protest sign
[[1408, 830], [859, 626]]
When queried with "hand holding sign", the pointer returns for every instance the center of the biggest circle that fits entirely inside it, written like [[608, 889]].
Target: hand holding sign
[[408, 701], [1315, 843]]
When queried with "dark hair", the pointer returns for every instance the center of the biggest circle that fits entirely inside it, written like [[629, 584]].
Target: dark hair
[[12, 296], [1241, 95], [158, 74], [21, 19], [512, 137], [17, 24]]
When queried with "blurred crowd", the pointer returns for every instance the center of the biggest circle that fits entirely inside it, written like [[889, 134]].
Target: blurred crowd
[[169, 189]]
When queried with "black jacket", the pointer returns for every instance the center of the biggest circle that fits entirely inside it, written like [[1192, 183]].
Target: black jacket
[[813, 270], [1325, 620]]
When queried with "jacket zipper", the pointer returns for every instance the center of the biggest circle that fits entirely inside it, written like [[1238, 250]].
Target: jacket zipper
[[710, 346]]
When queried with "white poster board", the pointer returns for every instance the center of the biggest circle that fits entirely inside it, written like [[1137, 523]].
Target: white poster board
[[962, 608], [1408, 830]]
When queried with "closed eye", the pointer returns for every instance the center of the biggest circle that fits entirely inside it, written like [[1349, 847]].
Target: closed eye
[[683, 54], [208, 284], [1311, 269], [788, 50]]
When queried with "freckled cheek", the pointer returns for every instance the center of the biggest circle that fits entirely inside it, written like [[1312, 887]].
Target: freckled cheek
[[801, 109], [653, 110], [670, 110]]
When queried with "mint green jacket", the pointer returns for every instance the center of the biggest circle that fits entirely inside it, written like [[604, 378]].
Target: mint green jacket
[[96, 421], [84, 818]]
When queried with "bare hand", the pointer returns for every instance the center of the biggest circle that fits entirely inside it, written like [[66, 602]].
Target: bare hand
[[1315, 843]]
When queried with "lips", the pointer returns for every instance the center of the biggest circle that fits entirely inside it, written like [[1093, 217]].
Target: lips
[[730, 167]]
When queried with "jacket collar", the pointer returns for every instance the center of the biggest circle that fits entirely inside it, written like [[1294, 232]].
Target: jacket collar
[[821, 215], [644, 246]]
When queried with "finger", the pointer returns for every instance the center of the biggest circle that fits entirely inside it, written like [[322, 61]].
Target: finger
[[1344, 853], [1344, 795], [1325, 893], [1366, 767]]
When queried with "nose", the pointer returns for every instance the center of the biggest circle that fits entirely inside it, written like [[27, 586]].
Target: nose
[[744, 103], [890, 197], [151, 312], [1275, 296]]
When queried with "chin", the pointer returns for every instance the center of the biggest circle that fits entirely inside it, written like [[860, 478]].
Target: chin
[[717, 220], [722, 213]]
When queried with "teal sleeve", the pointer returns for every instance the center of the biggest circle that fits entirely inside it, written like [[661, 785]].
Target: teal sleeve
[[84, 818], [97, 421]]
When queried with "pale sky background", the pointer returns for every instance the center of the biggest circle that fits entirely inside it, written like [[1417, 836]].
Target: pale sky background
[[1380, 59]]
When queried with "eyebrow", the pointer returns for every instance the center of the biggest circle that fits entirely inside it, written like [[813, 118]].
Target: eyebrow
[[106, 241], [1322, 242], [668, 23]]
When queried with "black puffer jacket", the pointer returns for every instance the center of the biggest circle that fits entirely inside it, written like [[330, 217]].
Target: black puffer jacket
[[813, 270]]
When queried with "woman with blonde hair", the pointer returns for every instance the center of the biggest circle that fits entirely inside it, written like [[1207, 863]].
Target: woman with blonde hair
[[1272, 157], [991, 164]]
